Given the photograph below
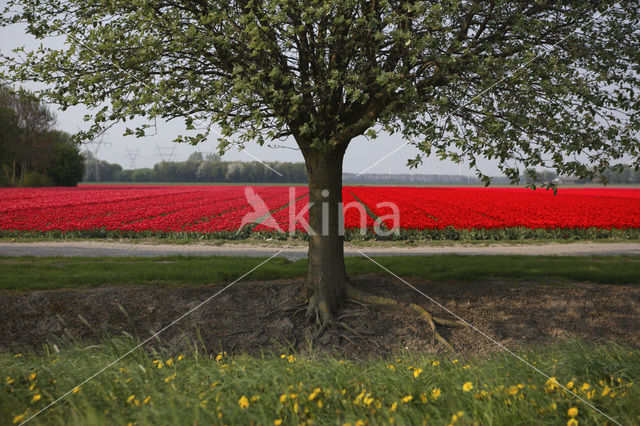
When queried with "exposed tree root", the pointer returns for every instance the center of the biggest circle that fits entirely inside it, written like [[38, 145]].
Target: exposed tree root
[[296, 309], [358, 295], [324, 321]]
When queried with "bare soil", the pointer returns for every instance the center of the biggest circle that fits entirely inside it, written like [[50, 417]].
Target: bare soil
[[251, 317]]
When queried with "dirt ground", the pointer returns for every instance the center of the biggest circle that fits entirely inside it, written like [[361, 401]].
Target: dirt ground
[[248, 317]]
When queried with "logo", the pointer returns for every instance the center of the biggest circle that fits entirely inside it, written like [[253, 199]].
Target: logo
[[261, 215]]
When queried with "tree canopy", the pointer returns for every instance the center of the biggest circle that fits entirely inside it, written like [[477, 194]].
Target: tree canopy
[[31, 153], [529, 84]]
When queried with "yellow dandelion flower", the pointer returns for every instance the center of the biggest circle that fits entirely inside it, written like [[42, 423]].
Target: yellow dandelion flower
[[367, 400], [606, 390], [513, 390], [219, 357], [146, 400], [466, 366], [572, 412], [18, 418], [170, 378], [295, 407], [9, 380], [32, 376], [467, 386], [159, 364], [417, 372], [359, 423], [283, 398], [169, 362], [394, 406], [455, 361], [591, 393], [291, 358], [435, 363], [435, 393], [585, 387], [391, 367], [36, 397], [76, 389], [407, 398], [243, 402], [572, 422], [131, 398], [313, 394], [423, 398], [320, 404], [17, 356], [482, 394], [180, 357], [277, 422]]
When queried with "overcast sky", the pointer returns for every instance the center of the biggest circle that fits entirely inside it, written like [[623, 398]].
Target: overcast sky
[[361, 154]]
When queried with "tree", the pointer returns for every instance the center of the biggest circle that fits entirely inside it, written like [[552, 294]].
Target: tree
[[30, 150], [67, 164], [9, 133], [196, 157], [530, 84]]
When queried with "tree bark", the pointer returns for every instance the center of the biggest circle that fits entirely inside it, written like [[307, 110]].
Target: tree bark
[[326, 280]]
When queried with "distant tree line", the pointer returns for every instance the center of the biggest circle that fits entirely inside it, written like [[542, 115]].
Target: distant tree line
[[621, 175], [32, 152], [209, 168], [197, 168]]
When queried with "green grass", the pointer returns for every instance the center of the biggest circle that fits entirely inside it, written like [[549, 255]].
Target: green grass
[[404, 235], [263, 240], [150, 388], [30, 273]]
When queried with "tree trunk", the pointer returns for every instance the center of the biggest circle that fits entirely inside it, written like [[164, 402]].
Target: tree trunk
[[326, 277]]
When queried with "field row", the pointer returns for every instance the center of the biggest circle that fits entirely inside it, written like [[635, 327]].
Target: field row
[[217, 210]]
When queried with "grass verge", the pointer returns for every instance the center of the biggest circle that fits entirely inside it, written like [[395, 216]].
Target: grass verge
[[411, 235], [31, 273], [200, 388]]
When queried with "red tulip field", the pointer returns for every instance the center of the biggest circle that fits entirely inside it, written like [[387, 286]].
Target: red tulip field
[[220, 211]]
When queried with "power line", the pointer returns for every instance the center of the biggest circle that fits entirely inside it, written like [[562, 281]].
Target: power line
[[97, 144], [133, 154], [165, 153]]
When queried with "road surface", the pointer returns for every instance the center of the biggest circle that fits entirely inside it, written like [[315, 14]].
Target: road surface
[[115, 249]]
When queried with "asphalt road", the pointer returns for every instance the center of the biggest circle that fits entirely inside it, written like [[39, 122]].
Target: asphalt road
[[113, 249]]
